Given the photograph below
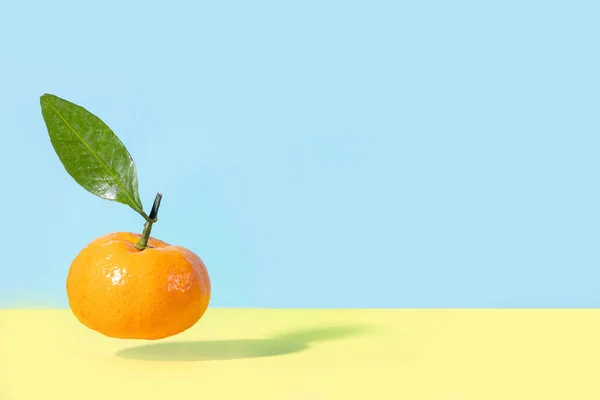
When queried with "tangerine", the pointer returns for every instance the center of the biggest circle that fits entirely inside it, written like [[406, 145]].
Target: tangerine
[[123, 292]]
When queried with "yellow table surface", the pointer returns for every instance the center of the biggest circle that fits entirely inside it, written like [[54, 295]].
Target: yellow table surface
[[310, 354]]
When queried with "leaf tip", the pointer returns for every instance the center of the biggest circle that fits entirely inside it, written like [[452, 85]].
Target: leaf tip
[[44, 97]]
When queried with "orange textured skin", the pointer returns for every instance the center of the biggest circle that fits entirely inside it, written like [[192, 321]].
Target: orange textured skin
[[122, 292]]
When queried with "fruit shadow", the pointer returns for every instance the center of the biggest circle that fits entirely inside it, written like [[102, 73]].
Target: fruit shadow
[[210, 350]]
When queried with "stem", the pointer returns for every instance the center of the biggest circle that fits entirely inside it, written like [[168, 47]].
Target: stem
[[152, 218]]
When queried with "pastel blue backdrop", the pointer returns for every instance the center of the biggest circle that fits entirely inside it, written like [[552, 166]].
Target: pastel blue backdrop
[[318, 153]]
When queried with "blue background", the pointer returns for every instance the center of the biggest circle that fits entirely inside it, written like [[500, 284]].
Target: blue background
[[318, 153]]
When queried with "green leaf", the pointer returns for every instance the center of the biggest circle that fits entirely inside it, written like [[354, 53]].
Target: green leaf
[[90, 152]]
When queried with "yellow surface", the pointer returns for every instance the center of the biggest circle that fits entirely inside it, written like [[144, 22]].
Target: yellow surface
[[310, 354]]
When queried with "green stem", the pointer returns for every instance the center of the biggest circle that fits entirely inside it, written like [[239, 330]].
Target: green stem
[[152, 218]]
